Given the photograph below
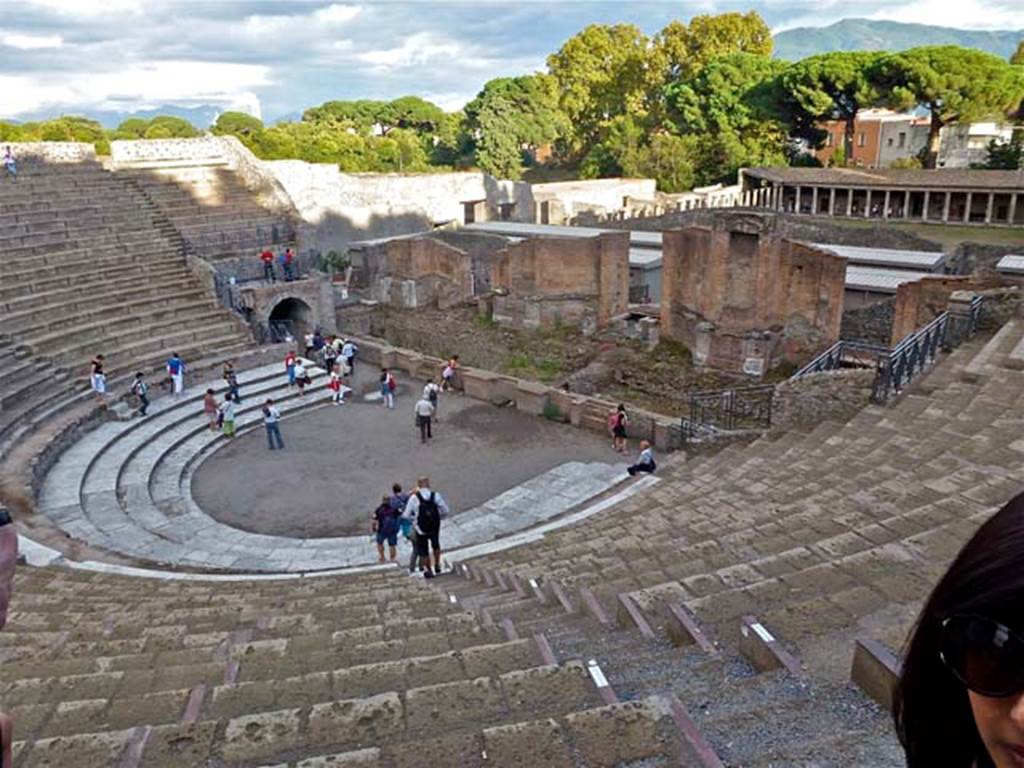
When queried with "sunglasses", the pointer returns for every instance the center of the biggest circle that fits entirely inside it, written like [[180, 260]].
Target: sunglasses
[[986, 656]]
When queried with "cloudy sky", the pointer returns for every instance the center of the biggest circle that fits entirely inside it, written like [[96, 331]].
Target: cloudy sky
[[275, 58]]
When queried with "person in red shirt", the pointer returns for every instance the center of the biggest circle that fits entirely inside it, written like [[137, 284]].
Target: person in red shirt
[[267, 257]]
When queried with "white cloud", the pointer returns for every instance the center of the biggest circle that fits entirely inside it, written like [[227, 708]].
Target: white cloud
[[137, 87], [306, 26], [31, 42], [87, 8], [962, 14], [336, 14], [425, 48]]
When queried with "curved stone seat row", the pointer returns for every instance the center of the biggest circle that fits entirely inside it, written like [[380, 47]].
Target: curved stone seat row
[[126, 487]]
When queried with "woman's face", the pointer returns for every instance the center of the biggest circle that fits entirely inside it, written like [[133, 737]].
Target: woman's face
[[1001, 725]]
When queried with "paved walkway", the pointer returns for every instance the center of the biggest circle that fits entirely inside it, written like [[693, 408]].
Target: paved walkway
[[339, 460]]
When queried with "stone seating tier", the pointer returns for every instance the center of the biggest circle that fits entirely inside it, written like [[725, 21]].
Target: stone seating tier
[[102, 669], [92, 266], [818, 531]]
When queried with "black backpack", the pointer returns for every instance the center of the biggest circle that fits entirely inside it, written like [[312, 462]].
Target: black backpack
[[428, 518]]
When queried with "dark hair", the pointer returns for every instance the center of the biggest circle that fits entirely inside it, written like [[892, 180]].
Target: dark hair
[[270, 401], [396, 488], [931, 708]]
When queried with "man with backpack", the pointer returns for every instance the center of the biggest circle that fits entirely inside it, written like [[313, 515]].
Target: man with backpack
[[425, 509], [139, 388]]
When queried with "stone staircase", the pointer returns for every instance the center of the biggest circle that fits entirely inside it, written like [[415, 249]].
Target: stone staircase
[[90, 268], [823, 537], [211, 207], [370, 670]]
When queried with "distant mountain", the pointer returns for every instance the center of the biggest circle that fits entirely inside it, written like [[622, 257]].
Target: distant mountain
[[867, 35]]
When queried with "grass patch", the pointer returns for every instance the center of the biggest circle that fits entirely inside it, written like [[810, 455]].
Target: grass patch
[[544, 369], [483, 321]]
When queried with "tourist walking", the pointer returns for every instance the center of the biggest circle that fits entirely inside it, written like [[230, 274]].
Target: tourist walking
[[211, 410], [388, 385], [231, 379], [267, 257], [617, 422], [330, 357], [301, 377], [432, 392], [140, 389], [10, 164], [227, 417], [349, 350], [334, 384], [645, 462], [424, 411], [176, 372], [98, 379], [425, 509], [271, 417], [385, 528], [289, 367]]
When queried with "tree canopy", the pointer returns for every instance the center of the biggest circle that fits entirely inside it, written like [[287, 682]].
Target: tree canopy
[[952, 83], [689, 105], [509, 115], [831, 86]]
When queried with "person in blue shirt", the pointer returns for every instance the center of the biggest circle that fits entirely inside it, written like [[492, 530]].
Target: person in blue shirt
[[645, 463], [176, 372]]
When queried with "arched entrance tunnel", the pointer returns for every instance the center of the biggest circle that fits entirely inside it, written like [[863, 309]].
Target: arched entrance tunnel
[[291, 317]]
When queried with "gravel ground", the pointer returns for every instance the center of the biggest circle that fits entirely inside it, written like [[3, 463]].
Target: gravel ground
[[339, 460]]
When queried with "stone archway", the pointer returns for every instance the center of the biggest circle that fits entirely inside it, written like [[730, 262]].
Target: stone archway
[[291, 316]]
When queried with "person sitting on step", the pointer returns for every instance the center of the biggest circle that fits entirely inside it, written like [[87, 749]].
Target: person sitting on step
[[645, 462]]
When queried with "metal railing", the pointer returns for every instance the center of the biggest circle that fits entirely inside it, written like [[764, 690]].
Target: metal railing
[[918, 350], [844, 354], [740, 409]]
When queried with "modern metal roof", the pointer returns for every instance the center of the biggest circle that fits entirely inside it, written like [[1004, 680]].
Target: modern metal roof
[[929, 261], [1012, 264], [522, 229], [879, 280]]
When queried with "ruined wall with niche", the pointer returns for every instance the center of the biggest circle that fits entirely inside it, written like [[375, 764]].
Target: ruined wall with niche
[[745, 301], [412, 272], [534, 282], [920, 302], [547, 280]]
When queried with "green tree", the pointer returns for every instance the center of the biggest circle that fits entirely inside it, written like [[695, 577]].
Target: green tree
[[361, 113], [732, 105], [602, 72], [682, 51], [132, 128], [170, 127], [672, 161], [1006, 155], [510, 114], [955, 85], [831, 86], [410, 112], [237, 124]]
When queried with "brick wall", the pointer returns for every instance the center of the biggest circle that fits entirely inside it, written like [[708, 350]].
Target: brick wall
[[734, 296]]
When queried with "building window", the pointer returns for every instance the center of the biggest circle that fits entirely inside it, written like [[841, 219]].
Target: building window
[[903, 139], [828, 139], [861, 139], [888, 142]]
